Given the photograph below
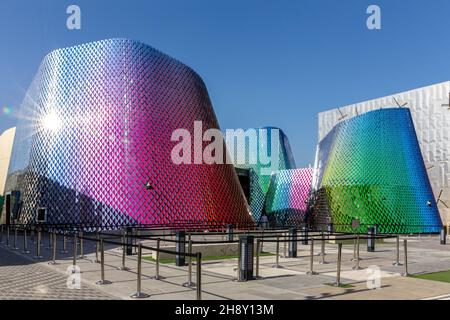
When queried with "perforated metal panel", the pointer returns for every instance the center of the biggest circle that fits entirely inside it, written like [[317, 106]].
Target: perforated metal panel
[[287, 199], [431, 115], [259, 183], [107, 160], [370, 168]]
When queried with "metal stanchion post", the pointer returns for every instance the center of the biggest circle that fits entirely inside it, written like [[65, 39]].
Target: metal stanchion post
[[38, 246], [189, 283], [338, 271], [258, 244], [354, 248], [157, 276], [81, 245], [199, 276], [397, 252], [15, 240], [54, 238], [322, 251], [311, 261], [102, 281], [138, 294], [357, 267], [49, 245], [75, 247], [64, 244], [277, 261], [405, 246], [124, 251], [25, 242], [284, 244], [97, 248], [1, 234]]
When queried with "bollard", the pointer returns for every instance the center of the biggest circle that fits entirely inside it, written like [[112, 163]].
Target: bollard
[[397, 252], [311, 261], [124, 251], [293, 243], [405, 248], [15, 240], [102, 281], [54, 238], [64, 246], [25, 242], [157, 276], [180, 246], [75, 248], [38, 246], [138, 294], [322, 251], [443, 236], [258, 246], [371, 239], [189, 283], [357, 267], [230, 232], [277, 259], [330, 228], [199, 276], [304, 234], [338, 271], [247, 255], [239, 279], [97, 248], [7, 236]]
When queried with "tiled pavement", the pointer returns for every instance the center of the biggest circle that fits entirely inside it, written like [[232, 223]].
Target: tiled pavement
[[24, 278]]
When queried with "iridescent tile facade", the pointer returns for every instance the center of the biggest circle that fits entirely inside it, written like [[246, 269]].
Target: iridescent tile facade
[[370, 168], [259, 180], [288, 197], [94, 146]]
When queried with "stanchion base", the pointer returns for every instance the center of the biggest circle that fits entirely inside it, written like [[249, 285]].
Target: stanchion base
[[103, 282], [26, 252], [64, 252], [397, 264], [38, 257], [312, 273], [405, 274], [95, 261], [157, 278], [189, 285], [81, 257], [123, 268], [277, 266], [337, 284], [139, 295], [357, 268], [14, 248], [52, 263], [323, 262]]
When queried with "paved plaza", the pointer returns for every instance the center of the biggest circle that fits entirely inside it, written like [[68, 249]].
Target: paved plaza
[[22, 277]]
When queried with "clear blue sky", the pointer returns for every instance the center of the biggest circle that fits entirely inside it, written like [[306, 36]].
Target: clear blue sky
[[265, 63]]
